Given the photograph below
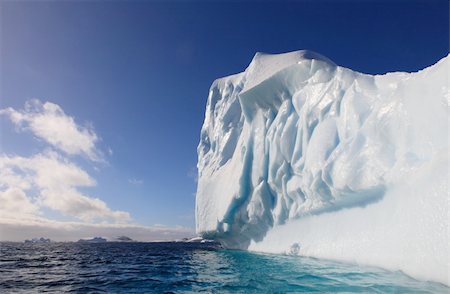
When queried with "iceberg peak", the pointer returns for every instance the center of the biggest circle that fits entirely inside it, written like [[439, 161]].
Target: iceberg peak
[[264, 65]]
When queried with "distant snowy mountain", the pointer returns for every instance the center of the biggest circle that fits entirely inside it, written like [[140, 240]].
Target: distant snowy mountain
[[298, 155]]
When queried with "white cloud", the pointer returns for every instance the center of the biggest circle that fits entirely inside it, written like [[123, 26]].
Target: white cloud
[[56, 181], [15, 203], [135, 182], [50, 180], [48, 121], [19, 230]]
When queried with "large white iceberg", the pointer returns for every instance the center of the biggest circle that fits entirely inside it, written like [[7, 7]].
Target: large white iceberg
[[299, 155]]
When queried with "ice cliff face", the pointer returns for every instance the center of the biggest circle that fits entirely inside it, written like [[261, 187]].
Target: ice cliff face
[[296, 140]]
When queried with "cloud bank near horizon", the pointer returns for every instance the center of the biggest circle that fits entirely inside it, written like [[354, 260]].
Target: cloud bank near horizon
[[18, 230]]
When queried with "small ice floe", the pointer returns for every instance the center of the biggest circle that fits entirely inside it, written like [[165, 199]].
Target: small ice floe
[[198, 240]]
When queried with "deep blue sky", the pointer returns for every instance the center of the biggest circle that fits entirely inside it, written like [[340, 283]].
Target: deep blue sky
[[140, 73]]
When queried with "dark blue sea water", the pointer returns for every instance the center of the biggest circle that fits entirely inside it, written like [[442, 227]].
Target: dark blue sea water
[[184, 268]]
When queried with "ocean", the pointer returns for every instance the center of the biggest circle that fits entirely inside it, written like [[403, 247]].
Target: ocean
[[178, 267]]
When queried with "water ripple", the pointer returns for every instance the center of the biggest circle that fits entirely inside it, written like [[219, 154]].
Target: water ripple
[[184, 268]]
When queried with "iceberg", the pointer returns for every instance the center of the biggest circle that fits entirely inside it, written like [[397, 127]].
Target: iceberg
[[93, 240], [40, 240], [298, 155]]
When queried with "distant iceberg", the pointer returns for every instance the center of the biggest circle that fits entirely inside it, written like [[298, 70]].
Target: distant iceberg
[[123, 239], [40, 240], [93, 240], [300, 156]]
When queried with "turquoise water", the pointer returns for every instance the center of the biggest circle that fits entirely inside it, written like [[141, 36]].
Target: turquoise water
[[185, 268]]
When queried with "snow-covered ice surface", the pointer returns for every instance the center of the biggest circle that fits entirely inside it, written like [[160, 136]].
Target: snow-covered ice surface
[[300, 156]]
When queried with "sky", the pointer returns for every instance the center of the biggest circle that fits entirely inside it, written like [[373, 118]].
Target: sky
[[101, 102]]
